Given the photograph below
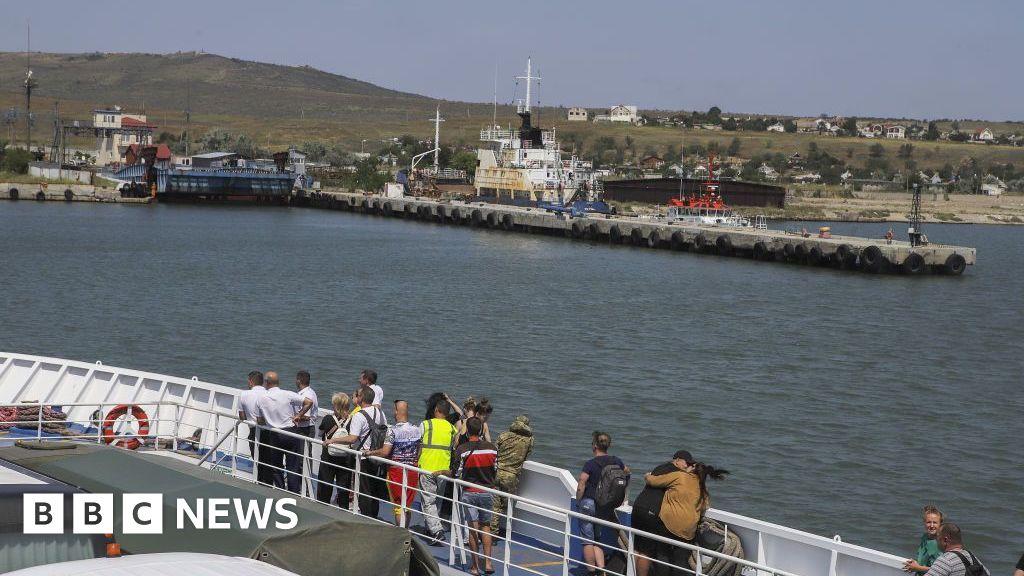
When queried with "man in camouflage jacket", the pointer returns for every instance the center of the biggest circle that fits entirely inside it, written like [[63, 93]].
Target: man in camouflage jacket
[[514, 448]]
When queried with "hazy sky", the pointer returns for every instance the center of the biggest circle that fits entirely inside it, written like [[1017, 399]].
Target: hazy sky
[[920, 58]]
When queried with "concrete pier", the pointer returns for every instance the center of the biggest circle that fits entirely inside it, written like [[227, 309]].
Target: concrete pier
[[64, 193], [842, 252]]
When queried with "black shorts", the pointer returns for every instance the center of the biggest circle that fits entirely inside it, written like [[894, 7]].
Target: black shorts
[[647, 521]]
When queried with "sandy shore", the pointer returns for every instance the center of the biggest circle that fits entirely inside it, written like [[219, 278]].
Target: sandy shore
[[895, 207]]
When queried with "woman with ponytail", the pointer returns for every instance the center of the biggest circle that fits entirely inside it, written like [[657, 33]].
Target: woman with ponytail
[[684, 499]]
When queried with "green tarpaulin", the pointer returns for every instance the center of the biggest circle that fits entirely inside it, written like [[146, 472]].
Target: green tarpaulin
[[325, 542]]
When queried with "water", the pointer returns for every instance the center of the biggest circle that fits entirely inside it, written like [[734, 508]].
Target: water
[[842, 403]]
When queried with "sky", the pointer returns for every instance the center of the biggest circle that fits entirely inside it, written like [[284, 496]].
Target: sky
[[921, 59]]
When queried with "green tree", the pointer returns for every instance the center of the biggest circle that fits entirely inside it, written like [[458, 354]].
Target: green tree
[[15, 160], [850, 125], [368, 177], [314, 151], [789, 126], [932, 133], [956, 125], [734, 147], [464, 160], [905, 151], [876, 150], [729, 124]]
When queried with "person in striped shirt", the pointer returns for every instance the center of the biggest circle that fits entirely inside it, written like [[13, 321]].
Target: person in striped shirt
[[475, 461]]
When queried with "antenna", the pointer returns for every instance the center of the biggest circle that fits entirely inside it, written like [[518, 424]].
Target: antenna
[[30, 83], [529, 81], [437, 137], [188, 110], [494, 121]]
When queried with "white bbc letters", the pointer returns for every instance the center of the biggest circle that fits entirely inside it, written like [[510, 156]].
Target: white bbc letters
[[142, 513], [43, 513], [92, 513]]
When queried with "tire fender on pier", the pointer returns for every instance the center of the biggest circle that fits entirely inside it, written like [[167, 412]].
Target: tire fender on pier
[[760, 251], [476, 217], [456, 215], [914, 264], [68, 195], [724, 245], [592, 233], [654, 239], [636, 236], [12, 193], [409, 210], [577, 229], [442, 213], [800, 252], [615, 234], [492, 220], [955, 265], [677, 241], [814, 256], [507, 222], [700, 243], [788, 251], [40, 195], [386, 209], [871, 259], [843, 253], [366, 206]]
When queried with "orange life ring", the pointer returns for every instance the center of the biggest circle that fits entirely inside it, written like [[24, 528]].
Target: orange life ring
[[121, 410]]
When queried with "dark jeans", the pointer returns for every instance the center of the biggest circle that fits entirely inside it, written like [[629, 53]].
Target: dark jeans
[[269, 459], [372, 488], [333, 476], [291, 449]]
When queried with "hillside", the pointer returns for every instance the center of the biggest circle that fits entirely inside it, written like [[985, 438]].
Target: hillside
[[218, 85]]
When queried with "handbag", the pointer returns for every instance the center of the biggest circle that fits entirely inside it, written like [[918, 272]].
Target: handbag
[[339, 430]]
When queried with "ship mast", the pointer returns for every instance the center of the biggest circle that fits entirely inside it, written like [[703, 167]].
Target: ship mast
[[437, 137], [529, 81]]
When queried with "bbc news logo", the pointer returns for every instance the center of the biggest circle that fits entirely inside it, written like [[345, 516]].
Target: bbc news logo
[[144, 513]]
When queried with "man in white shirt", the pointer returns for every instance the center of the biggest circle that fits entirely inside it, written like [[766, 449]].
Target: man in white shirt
[[282, 410], [307, 424], [249, 412], [372, 488], [368, 377]]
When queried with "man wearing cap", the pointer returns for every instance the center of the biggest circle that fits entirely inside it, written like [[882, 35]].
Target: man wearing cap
[[514, 448]]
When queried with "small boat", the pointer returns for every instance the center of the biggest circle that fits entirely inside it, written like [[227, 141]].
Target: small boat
[[707, 208]]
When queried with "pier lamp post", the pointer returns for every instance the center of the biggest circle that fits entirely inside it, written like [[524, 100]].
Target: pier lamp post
[[361, 143]]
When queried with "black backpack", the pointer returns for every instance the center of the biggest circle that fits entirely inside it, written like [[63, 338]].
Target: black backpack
[[973, 566], [377, 434], [611, 485]]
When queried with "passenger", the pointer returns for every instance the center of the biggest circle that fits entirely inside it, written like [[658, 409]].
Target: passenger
[[483, 411], [514, 448], [403, 447], [369, 378], [335, 471], [955, 559], [435, 457], [684, 500], [372, 488], [467, 411], [475, 462], [928, 549], [307, 424], [357, 401], [1020, 567], [248, 412], [586, 493], [282, 410]]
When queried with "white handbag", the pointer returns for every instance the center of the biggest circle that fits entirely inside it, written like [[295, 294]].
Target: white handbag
[[340, 430]]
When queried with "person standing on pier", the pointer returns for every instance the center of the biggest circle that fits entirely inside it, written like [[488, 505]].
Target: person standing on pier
[[282, 410], [928, 549], [435, 457]]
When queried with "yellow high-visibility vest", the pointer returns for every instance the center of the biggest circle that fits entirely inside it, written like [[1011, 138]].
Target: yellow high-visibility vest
[[436, 451]]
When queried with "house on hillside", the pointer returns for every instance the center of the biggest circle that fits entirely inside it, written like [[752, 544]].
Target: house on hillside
[[795, 161], [116, 130], [993, 186], [983, 135], [767, 172], [895, 131], [577, 114], [620, 113], [652, 163], [777, 127]]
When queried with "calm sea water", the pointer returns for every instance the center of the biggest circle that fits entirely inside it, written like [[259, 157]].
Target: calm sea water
[[841, 402]]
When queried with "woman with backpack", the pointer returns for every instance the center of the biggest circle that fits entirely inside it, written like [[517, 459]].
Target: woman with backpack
[[335, 465], [671, 505]]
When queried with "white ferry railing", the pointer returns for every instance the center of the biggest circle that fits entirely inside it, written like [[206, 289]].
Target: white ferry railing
[[222, 427]]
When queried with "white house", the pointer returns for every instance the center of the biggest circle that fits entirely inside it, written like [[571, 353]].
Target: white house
[[993, 187], [577, 114], [983, 135], [116, 130], [767, 172], [620, 113], [777, 127], [895, 131]]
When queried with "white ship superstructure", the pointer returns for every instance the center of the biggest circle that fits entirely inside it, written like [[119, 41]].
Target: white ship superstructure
[[524, 165]]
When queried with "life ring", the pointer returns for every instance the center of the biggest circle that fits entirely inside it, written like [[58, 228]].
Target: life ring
[[122, 410]]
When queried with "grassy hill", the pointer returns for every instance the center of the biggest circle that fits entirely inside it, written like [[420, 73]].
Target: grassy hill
[[280, 105]]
